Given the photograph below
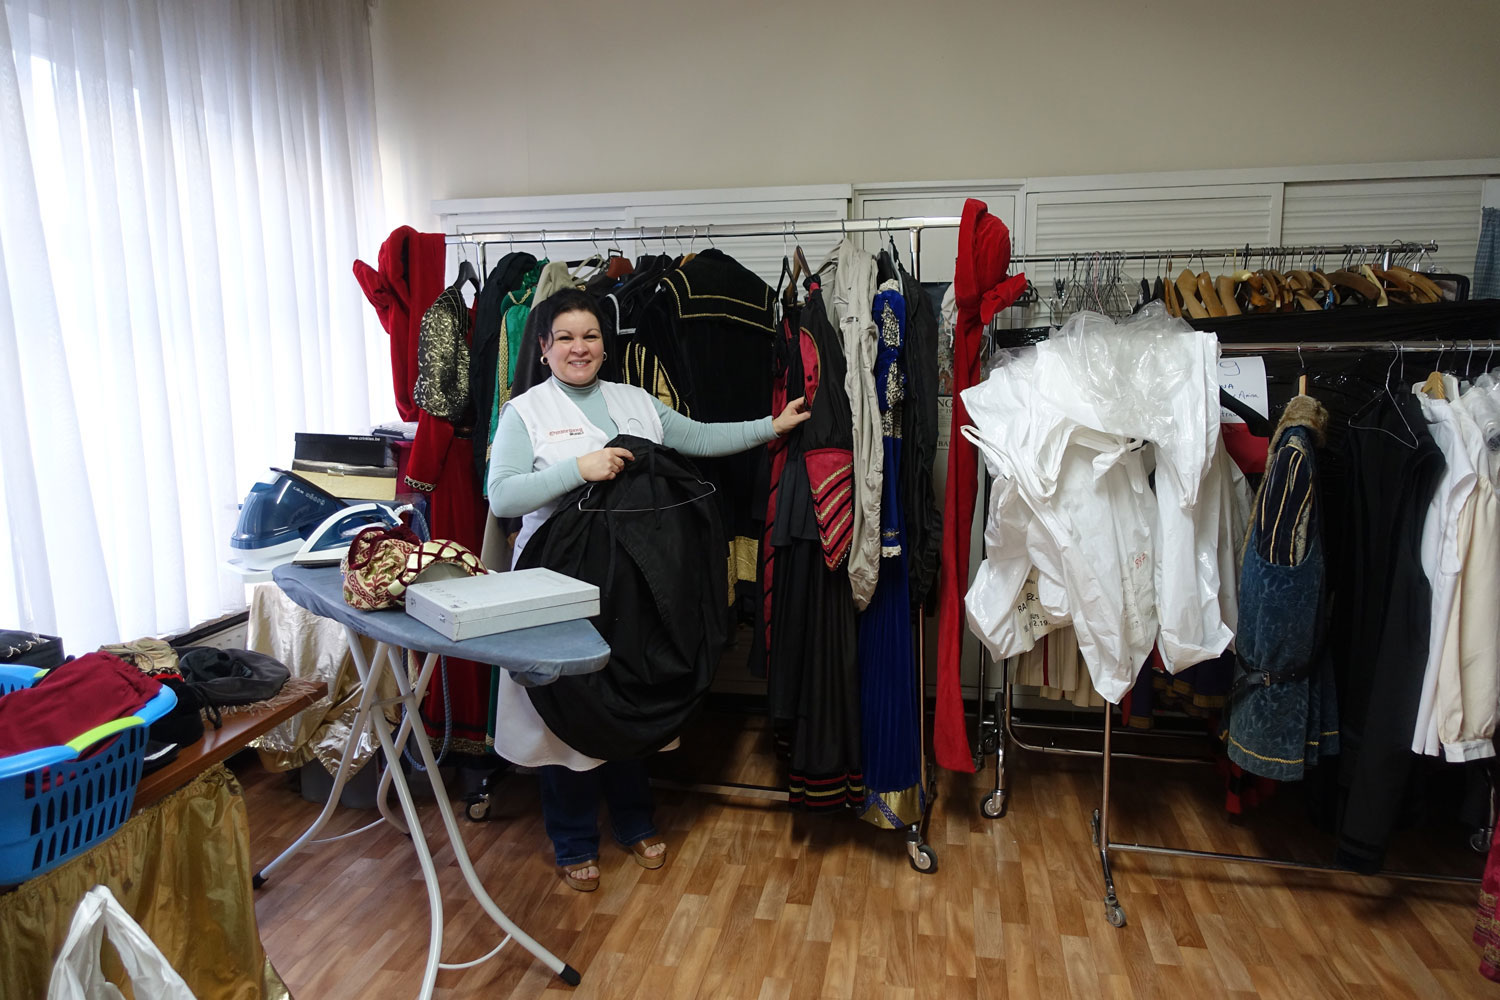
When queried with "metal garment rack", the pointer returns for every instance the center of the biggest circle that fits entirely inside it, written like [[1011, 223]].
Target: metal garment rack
[[920, 854], [790, 229], [1113, 911], [996, 733], [1243, 253]]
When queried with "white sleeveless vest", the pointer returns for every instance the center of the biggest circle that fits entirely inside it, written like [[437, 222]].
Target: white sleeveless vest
[[560, 432]]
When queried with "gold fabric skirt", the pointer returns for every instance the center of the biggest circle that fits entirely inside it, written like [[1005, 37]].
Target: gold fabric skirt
[[181, 869]]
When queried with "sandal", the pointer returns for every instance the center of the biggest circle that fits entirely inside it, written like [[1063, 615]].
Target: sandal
[[568, 873], [638, 851]]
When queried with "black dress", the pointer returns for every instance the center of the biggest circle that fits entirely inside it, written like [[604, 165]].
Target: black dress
[[703, 344], [919, 436], [650, 541], [1383, 614], [813, 670]]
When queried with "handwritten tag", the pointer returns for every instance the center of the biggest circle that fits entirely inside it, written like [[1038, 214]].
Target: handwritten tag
[[1245, 380]]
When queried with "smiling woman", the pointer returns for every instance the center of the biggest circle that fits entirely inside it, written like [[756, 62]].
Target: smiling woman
[[574, 346], [552, 439]]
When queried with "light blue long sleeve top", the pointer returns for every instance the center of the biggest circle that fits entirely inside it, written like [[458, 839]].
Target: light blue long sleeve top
[[515, 489]]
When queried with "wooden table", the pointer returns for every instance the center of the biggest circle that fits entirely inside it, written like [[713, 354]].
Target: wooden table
[[217, 746]]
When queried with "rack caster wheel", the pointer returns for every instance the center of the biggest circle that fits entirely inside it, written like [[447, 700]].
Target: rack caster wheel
[[478, 810], [993, 806], [1479, 841], [1114, 913], [921, 858], [257, 880]]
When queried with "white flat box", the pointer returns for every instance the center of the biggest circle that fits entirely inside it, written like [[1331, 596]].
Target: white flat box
[[471, 606]]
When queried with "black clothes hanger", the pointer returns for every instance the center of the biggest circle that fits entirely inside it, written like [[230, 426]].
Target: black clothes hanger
[[1259, 426], [466, 272]]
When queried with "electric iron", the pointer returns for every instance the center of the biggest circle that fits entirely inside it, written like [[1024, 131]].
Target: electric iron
[[330, 540], [288, 519]]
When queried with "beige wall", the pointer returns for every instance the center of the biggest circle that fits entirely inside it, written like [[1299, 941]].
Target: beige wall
[[483, 98]]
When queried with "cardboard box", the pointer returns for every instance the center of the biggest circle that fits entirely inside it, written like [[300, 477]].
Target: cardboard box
[[349, 482], [500, 602]]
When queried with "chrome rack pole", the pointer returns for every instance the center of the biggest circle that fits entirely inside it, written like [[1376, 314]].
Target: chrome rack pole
[[919, 853], [1430, 246], [1113, 911], [763, 229]]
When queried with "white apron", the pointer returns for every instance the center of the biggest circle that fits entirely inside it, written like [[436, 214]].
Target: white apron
[[559, 432]]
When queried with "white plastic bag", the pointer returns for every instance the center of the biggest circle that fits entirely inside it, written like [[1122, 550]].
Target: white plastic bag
[[76, 974]]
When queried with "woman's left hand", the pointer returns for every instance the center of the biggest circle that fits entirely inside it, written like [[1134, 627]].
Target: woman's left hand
[[796, 411]]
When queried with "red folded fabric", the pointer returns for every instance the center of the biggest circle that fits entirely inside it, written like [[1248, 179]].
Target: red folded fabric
[[980, 289], [1247, 450], [94, 689]]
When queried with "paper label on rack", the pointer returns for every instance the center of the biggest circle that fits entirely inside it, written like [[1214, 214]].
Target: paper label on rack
[[945, 422], [1245, 380]]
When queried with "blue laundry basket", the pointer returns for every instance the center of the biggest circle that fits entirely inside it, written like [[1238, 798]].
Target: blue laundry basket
[[53, 805]]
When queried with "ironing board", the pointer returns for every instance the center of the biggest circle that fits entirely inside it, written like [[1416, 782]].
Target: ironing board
[[533, 656]]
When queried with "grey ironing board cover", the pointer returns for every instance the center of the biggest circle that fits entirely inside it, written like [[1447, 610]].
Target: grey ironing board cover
[[534, 656]]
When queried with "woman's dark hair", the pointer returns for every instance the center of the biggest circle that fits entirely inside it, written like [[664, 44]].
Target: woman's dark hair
[[565, 301]]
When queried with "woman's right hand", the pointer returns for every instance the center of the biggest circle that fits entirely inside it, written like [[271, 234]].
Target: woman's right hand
[[606, 463]]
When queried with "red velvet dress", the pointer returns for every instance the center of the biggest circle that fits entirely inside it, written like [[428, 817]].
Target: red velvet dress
[[408, 279]]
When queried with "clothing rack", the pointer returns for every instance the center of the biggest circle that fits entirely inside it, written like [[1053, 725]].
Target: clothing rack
[[995, 733], [920, 854], [789, 229], [1244, 253]]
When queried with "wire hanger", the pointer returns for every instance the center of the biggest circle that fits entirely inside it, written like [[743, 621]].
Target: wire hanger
[[710, 491], [1392, 397]]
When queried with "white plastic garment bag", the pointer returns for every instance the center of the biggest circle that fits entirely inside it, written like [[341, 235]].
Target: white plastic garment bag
[[1089, 535], [1154, 377], [76, 974]]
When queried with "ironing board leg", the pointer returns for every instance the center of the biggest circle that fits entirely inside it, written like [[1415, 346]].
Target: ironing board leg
[[461, 855], [382, 796], [369, 716], [361, 720], [409, 809]]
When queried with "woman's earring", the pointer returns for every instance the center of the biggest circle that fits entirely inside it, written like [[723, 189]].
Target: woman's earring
[[604, 356], [545, 361]]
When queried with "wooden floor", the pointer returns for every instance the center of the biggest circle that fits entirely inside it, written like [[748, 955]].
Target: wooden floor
[[759, 903]]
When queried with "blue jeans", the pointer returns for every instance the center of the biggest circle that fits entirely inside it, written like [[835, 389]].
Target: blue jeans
[[570, 807]]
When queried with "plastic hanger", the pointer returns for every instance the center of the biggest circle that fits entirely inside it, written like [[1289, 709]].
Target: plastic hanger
[[1258, 425], [466, 273]]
